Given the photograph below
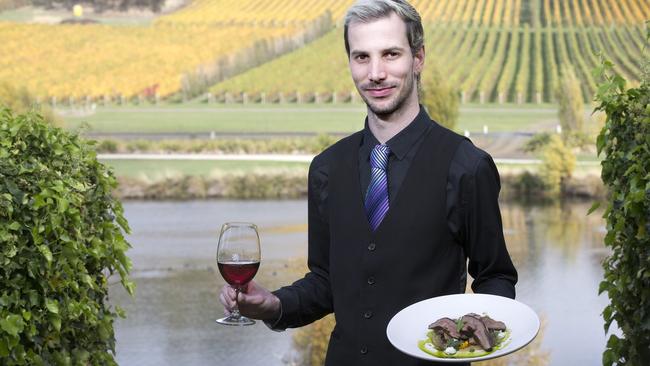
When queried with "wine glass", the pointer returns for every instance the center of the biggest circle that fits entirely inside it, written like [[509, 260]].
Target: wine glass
[[238, 258]]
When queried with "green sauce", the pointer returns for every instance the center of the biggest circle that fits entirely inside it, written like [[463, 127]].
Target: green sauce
[[463, 353]]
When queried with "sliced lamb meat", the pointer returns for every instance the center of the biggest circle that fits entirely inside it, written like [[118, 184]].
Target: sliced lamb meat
[[492, 324], [447, 325], [443, 330], [473, 327]]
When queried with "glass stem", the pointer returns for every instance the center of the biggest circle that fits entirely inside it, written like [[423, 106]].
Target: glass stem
[[235, 311]]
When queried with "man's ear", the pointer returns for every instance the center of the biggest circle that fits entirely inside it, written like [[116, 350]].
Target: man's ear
[[418, 60]]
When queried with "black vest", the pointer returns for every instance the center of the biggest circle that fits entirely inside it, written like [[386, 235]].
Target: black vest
[[374, 275]]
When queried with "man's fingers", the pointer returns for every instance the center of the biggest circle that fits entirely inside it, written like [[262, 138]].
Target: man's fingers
[[228, 292], [223, 300], [227, 297]]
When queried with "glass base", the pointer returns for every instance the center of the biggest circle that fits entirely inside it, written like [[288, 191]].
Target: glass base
[[236, 321]]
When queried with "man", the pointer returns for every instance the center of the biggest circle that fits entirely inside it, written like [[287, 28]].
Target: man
[[384, 237]]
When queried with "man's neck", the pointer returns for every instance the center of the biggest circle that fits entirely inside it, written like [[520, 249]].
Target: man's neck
[[384, 127]]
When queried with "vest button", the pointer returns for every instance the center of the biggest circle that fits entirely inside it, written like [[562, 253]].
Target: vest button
[[367, 314], [371, 280], [364, 350], [371, 246]]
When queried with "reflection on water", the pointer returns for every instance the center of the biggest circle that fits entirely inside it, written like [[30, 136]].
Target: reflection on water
[[557, 250], [171, 322]]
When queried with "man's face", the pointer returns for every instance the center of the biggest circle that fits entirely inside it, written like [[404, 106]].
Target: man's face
[[382, 65]]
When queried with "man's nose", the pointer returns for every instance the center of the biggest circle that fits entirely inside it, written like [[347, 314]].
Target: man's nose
[[377, 72]]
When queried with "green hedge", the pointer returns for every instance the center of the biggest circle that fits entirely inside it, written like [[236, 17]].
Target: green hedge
[[625, 142], [61, 236]]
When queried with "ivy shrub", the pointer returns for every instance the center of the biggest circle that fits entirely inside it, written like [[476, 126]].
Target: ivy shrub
[[61, 237], [625, 142]]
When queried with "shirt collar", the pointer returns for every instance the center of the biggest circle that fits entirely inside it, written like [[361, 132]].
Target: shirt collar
[[401, 143]]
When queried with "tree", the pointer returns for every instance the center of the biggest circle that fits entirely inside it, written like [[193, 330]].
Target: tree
[[440, 99], [61, 236], [625, 142], [571, 104]]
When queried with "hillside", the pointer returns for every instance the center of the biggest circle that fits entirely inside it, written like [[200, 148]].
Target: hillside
[[200, 44], [492, 50]]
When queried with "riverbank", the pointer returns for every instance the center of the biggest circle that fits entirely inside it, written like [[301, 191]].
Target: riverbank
[[516, 184]]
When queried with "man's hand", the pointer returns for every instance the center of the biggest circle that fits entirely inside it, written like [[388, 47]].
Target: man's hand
[[254, 302]]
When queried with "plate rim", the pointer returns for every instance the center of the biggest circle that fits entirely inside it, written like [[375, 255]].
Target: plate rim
[[429, 357]]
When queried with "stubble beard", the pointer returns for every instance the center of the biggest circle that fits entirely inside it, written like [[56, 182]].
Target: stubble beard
[[395, 104]]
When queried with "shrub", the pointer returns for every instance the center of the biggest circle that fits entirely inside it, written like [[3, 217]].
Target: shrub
[[107, 146], [321, 142], [289, 145], [312, 340], [537, 142], [527, 185], [558, 163], [62, 236], [625, 142], [440, 99]]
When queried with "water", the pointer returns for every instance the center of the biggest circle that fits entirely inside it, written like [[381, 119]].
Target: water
[[556, 249]]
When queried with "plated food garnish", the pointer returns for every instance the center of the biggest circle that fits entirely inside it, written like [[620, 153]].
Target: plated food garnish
[[470, 335]]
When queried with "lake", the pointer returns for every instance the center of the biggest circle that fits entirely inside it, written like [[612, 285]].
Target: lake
[[556, 248]]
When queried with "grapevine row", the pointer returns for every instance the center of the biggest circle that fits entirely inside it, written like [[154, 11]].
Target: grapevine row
[[538, 68], [509, 69], [523, 76]]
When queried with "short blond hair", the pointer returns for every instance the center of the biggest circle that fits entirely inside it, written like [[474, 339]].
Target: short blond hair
[[364, 11]]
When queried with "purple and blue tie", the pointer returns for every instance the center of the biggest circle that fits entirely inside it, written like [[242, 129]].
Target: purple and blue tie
[[377, 195]]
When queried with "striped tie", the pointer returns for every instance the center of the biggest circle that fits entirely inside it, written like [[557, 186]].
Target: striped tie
[[377, 194]]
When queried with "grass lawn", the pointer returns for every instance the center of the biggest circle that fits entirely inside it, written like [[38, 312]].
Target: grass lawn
[[507, 118], [344, 118], [221, 119], [154, 169]]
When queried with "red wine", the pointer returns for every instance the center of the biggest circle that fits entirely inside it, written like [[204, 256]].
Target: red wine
[[238, 273]]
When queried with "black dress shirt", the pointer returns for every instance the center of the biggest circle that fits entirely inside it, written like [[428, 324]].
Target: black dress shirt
[[473, 187], [472, 209]]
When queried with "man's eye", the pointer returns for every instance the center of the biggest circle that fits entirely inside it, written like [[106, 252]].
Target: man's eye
[[392, 55], [362, 57]]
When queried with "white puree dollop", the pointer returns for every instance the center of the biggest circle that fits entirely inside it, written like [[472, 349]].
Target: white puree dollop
[[450, 350]]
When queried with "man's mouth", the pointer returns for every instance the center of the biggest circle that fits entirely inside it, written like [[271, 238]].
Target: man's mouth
[[379, 92]]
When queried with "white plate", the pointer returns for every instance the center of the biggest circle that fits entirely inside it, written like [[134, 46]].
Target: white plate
[[410, 325]]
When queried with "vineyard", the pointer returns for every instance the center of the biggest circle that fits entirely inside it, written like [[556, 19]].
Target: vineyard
[[259, 13], [493, 51], [66, 62]]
